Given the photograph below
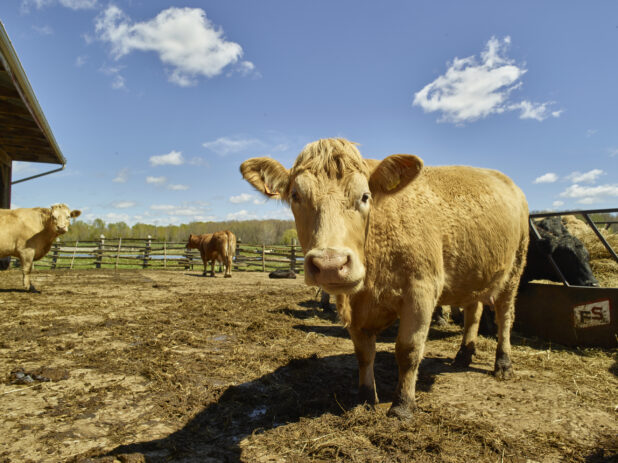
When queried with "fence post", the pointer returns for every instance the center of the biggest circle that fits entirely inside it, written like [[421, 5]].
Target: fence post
[[118, 253], [55, 254], [147, 252], [99, 252], [263, 259], [165, 253], [238, 241], [293, 258]]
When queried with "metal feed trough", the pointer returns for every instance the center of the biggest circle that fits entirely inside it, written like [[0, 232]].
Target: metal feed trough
[[567, 314]]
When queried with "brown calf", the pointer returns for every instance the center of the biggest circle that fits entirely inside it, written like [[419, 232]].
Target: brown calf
[[219, 246]]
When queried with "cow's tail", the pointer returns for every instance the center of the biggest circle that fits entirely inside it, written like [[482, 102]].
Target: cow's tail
[[231, 248]]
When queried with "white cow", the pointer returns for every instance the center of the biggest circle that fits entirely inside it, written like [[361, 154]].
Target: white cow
[[29, 233]]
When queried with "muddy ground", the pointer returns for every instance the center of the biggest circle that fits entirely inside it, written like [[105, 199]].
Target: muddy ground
[[170, 366]]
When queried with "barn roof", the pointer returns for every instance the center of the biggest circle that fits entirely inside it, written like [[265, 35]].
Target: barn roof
[[25, 134]]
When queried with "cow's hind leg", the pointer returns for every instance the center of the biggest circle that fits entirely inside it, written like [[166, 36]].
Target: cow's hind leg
[[365, 350], [228, 267], [472, 318], [504, 317], [415, 319]]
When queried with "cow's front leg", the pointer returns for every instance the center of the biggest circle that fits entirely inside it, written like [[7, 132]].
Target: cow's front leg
[[212, 268], [26, 257], [414, 322], [365, 350]]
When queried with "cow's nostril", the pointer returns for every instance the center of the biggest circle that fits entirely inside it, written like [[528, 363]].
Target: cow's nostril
[[313, 268]]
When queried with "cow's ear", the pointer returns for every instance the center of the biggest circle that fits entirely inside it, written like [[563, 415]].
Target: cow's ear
[[267, 176], [75, 213], [394, 173]]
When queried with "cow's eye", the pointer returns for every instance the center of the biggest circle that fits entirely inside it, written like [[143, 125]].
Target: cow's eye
[[365, 198], [295, 197]]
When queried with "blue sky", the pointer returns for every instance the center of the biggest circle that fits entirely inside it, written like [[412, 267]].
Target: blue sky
[[156, 103]]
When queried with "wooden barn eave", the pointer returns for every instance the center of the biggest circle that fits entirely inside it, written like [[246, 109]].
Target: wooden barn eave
[[25, 134]]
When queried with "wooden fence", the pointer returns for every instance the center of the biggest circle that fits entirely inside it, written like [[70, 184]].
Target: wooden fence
[[128, 253]]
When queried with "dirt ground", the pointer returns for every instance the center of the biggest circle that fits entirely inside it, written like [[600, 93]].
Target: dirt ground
[[160, 366]]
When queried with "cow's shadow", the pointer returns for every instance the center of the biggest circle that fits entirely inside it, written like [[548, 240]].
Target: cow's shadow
[[304, 388], [18, 290]]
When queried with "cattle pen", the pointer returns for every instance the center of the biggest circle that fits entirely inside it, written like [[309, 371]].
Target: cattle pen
[[159, 365], [134, 253]]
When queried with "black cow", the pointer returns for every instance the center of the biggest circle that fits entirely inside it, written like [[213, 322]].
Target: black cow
[[282, 273], [568, 252]]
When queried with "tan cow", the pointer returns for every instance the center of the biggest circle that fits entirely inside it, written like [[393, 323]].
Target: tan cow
[[29, 233], [219, 246], [393, 239]]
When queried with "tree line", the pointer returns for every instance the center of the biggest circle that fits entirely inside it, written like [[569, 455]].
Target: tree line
[[249, 231]]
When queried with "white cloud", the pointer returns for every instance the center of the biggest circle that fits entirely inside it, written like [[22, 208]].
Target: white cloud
[[246, 198], [80, 61], [122, 176], [118, 81], [613, 152], [587, 177], [187, 211], [224, 145], [43, 30], [549, 177], [177, 187], [124, 204], [184, 38], [198, 161], [590, 194], [241, 198], [162, 207], [195, 211], [591, 132], [173, 158], [115, 217], [471, 90], [156, 180], [241, 215], [558, 203], [21, 167], [529, 110], [72, 4]]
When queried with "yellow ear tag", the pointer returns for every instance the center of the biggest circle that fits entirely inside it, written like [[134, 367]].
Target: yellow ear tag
[[394, 184]]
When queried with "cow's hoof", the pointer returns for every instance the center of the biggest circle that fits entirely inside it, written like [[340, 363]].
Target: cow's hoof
[[367, 396], [463, 359], [503, 373], [228, 276], [401, 411], [503, 369], [33, 290]]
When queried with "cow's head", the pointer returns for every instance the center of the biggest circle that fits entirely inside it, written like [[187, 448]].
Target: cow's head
[[193, 241], [61, 217], [331, 190], [568, 252]]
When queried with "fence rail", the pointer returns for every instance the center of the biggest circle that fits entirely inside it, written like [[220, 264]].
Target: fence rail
[[119, 253]]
